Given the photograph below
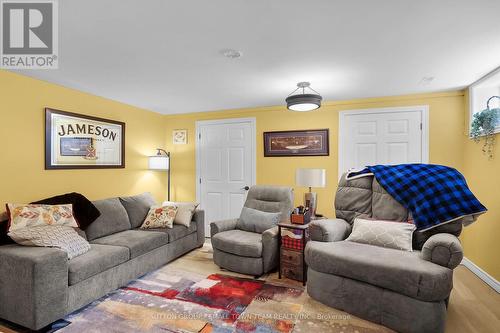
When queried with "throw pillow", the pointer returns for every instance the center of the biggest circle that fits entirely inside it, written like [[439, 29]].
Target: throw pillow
[[254, 220], [62, 237], [23, 216], [160, 217], [394, 235], [185, 211], [84, 210], [137, 207]]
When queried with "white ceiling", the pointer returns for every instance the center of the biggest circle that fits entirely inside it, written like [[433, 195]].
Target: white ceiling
[[165, 56]]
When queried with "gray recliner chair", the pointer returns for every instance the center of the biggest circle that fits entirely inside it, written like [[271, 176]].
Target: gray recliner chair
[[405, 291], [247, 252]]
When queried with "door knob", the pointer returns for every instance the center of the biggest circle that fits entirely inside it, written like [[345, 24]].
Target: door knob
[[246, 188]]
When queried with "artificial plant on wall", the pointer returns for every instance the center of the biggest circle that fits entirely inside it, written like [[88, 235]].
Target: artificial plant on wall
[[483, 126]]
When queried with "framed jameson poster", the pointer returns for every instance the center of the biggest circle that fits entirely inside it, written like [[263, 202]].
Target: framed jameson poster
[[76, 141]]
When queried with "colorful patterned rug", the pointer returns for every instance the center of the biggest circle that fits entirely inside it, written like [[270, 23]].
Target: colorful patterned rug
[[172, 300]]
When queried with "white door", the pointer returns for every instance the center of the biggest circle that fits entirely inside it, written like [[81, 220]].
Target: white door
[[225, 167], [382, 136]]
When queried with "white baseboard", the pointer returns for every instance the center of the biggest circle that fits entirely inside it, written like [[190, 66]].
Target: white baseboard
[[488, 279]]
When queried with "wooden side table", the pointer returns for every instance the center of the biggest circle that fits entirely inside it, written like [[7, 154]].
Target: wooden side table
[[292, 262]]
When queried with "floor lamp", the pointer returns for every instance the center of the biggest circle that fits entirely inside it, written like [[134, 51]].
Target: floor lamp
[[161, 162]]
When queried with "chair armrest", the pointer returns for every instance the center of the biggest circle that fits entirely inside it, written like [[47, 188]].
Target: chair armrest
[[199, 219], [220, 226], [270, 248], [443, 249], [33, 285], [331, 230]]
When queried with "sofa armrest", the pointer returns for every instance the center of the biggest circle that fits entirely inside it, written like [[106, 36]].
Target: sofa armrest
[[270, 248], [33, 285], [331, 230], [443, 249], [199, 219], [220, 226]]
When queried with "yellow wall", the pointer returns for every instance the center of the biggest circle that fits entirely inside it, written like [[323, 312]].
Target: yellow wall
[[23, 178], [448, 144], [446, 140], [480, 240], [22, 174]]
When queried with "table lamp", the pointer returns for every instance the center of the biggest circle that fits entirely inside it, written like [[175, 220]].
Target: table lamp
[[311, 178]]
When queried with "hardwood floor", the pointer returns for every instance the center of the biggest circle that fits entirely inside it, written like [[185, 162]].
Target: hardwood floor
[[474, 306]]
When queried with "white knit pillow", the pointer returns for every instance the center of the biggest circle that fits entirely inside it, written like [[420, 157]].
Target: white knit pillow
[[62, 237], [185, 211], [394, 235]]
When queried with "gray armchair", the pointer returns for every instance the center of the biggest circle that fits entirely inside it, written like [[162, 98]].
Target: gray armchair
[[246, 252], [406, 291]]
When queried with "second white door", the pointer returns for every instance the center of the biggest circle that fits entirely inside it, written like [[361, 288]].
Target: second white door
[[382, 136], [225, 167]]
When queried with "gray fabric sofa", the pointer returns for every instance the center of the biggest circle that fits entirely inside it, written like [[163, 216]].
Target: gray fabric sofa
[[40, 285], [251, 252], [406, 291]]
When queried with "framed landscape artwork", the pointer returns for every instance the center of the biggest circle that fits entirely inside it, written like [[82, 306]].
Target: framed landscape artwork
[[297, 143], [76, 141]]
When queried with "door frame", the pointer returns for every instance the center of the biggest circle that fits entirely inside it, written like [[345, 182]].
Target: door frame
[[423, 109], [200, 123]]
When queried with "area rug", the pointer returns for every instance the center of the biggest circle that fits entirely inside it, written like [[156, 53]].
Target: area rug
[[173, 300]]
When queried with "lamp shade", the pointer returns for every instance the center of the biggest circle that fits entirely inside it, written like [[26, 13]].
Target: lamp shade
[[159, 162], [310, 177]]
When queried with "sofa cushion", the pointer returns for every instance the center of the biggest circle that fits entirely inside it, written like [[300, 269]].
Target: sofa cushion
[[97, 260], [353, 198], [137, 207], [177, 232], [254, 220], [137, 241], [239, 242], [113, 219], [385, 207], [400, 271], [271, 199]]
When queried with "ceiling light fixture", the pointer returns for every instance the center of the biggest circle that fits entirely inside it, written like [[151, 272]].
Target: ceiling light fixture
[[303, 102]]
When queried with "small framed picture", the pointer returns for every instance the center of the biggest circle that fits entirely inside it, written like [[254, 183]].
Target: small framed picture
[[180, 137]]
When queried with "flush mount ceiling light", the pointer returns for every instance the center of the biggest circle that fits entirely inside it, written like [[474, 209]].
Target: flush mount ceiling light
[[303, 102]]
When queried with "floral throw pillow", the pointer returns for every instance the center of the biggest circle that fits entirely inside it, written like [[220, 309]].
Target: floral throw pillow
[[160, 217], [32, 215]]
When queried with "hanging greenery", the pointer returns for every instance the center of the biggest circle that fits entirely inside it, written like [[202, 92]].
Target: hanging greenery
[[483, 127]]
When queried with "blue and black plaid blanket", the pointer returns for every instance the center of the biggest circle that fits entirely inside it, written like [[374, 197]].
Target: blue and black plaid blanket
[[434, 194]]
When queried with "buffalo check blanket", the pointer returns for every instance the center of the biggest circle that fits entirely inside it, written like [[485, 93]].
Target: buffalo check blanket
[[434, 194]]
